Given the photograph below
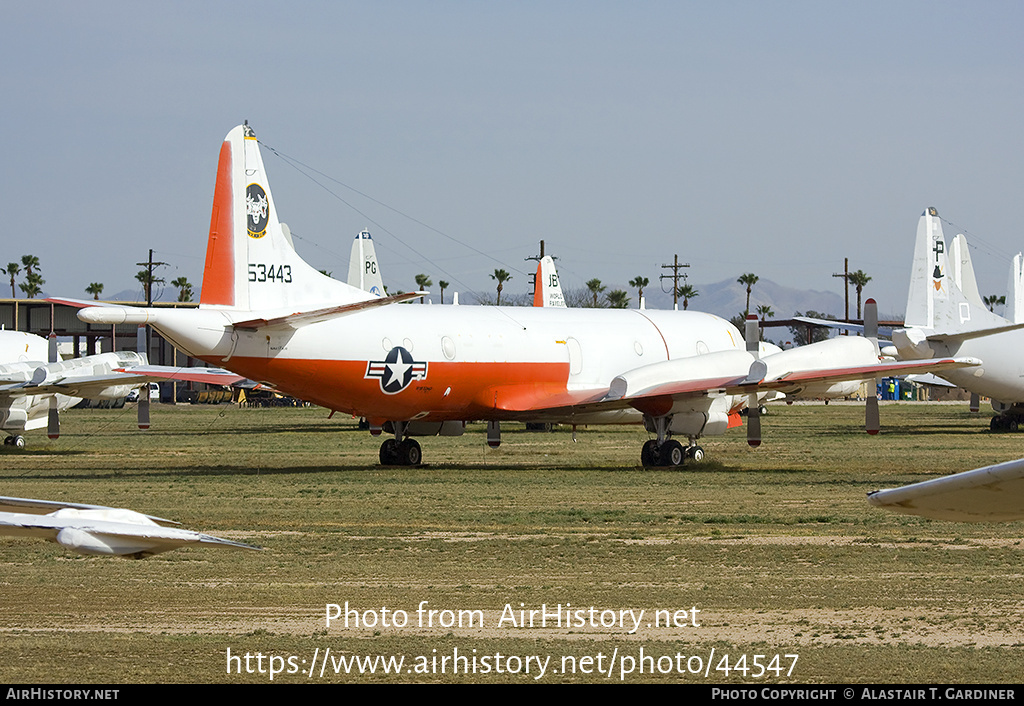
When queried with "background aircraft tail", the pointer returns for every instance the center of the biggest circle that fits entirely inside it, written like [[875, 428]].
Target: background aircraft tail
[[546, 289], [250, 262], [363, 271], [1014, 310], [935, 302]]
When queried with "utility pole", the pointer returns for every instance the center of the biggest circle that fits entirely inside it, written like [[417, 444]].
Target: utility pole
[[675, 277], [150, 266], [845, 274], [538, 258]]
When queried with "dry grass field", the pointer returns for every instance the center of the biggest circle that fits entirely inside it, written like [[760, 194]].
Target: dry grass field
[[776, 547]]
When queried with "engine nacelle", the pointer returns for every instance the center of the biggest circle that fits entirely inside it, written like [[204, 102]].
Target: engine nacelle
[[83, 542]]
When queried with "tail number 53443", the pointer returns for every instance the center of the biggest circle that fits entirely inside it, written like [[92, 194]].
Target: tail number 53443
[[259, 272]]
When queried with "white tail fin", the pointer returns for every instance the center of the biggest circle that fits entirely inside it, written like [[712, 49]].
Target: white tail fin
[[963, 270], [363, 272], [546, 289], [935, 302], [1014, 310], [250, 262]]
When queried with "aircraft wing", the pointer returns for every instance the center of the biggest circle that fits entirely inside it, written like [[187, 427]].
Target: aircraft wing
[[99, 530], [31, 506], [760, 379], [210, 376], [885, 331], [990, 494]]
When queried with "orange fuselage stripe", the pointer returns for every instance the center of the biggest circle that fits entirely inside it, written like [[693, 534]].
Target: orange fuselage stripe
[[451, 391]]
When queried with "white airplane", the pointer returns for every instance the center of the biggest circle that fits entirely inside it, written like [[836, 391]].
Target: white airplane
[[33, 393], [946, 317], [363, 272], [269, 316], [35, 386], [990, 494], [99, 530], [546, 289]]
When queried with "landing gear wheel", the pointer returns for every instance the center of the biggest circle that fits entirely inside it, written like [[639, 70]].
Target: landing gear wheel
[[410, 453], [696, 453], [389, 452], [672, 453], [1011, 425], [649, 456]]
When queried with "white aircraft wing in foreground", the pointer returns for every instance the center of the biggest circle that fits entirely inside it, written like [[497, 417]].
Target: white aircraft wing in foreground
[[269, 316], [99, 530], [990, 494]]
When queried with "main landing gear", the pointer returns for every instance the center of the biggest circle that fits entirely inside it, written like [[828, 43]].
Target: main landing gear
[[666, 451], [16, 440], [1004, 422], [402, 450]]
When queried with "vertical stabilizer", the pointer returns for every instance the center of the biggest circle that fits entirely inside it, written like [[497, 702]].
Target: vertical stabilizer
[[546, 289], [1014, 310], [250, 262], [963, 270], [363, 271], [934, 302]]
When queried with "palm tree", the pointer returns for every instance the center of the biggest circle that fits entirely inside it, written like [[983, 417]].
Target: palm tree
[[595, 288], [639, 282], [31, 263], [13, 268], [95, 289], [765, 311], [992, 300], [749, 279], [32, 285], [858, 279], [500, 276], [618, 299], [686, 293], [184, 289], [421, 282], [443, 285]]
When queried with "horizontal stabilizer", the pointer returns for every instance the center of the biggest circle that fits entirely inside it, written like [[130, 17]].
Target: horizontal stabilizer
[[977, 333], [304, 318]]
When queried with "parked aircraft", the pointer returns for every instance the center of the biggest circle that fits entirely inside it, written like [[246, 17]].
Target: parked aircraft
[[35, 386], [34, 392], [269, 316], [990, 494], [99, 530], [946, 317]]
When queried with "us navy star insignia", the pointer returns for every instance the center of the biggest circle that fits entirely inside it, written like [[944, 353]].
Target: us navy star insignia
[[396, 371]]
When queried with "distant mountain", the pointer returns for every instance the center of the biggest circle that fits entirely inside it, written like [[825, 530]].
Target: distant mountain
[[728, 298]]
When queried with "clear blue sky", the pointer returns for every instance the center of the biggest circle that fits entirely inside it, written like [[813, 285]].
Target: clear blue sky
[[774, 138]]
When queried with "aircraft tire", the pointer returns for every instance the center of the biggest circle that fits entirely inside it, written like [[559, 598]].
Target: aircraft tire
[[410, 453], [18, 442], [1011, 425], [672, 453], [649, 457], [389, 452], [696, 453]]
